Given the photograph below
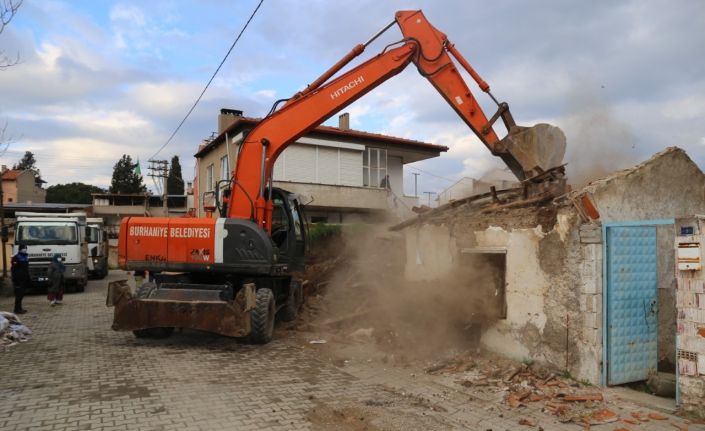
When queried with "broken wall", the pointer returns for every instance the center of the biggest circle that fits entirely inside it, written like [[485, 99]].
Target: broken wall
[[666, 186], [552, 308], [554, 260]]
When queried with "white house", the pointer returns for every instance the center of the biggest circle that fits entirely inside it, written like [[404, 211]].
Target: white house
[[341, 170]]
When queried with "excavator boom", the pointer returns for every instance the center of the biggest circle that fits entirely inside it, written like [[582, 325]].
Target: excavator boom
[[430, 51]]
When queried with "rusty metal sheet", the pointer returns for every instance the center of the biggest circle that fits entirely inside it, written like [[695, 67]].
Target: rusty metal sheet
[[220, 317]]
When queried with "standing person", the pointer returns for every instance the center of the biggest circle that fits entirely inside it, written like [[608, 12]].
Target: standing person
[[56, 280], [20, 277]]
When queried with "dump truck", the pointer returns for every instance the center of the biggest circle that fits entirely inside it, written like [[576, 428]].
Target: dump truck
[[231, 272], [47, 234]]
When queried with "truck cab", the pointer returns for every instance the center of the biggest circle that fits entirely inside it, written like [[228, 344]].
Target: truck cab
[[48, 234]]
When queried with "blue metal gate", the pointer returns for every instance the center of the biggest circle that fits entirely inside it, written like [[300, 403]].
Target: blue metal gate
[[631, 303]]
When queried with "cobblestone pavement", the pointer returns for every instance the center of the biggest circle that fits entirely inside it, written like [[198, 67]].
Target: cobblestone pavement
[[76, 373]]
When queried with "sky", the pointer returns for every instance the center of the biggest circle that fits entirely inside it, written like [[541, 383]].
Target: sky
[[99, 79]]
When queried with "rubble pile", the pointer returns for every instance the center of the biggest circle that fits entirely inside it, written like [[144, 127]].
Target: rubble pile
[[524, 384], [12, 330], [527, 385]]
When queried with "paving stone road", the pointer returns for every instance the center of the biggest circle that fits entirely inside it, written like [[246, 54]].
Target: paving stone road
[[78, 374]]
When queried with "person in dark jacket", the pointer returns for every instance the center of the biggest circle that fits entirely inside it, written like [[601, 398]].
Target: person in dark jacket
[[55, 274], [20, 277]]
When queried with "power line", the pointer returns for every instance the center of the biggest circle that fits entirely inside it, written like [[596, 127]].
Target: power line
[[209, 81], [433, 175]]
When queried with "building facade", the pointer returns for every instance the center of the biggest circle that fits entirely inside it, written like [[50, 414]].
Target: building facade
[[345, 175], [21, 187]]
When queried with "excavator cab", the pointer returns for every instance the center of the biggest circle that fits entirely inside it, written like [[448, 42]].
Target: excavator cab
[[288, 228]]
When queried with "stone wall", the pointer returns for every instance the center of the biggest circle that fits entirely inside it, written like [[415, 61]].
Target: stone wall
[[690, 305], [553, 282]]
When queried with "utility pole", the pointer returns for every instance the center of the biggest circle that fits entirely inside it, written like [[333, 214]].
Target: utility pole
[[160, 169], [416, 183], [429, 197]]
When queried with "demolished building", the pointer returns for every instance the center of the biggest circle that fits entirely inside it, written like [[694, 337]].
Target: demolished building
[[584, 281]]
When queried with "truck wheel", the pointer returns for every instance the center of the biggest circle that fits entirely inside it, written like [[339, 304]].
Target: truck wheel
[[293, 303], [81, 284], [262, 317]]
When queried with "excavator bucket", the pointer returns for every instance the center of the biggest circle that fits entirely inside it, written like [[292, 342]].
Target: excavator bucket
[[531, 151], [203, 309]]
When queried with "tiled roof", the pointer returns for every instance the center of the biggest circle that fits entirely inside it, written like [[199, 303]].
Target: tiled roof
[[12, 174], [242, 122]]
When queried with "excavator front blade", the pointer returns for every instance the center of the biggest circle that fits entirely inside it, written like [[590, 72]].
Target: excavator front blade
[[531, 151], [180, 308]]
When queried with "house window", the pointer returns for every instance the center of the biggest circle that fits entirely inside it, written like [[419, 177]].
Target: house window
[[374, 168], [224, 168], [210, 185]]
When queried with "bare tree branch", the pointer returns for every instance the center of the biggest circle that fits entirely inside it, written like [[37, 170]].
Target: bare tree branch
[[8, 9], [5, 140]]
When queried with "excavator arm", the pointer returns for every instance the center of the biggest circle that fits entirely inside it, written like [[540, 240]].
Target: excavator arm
[[423, 45]]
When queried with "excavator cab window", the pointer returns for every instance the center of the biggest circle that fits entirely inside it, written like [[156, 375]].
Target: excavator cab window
[[298, 229], [280, 223], [297, 213]]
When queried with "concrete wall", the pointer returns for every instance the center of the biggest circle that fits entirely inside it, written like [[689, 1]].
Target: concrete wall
[[554, 286], [668, 185], [337, 197], [9, 191], [546, 299], [23, 190]]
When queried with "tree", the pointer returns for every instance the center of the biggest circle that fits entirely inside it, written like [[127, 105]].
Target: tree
[[174, 182], [125, 179], [8, 9], [72, 193], [29, 163]]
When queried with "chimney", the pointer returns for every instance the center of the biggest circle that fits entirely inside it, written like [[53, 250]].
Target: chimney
[[344, 121], [189, 188], [226, 118]]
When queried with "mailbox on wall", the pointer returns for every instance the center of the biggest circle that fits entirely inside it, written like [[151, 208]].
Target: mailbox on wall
[[689, 256]]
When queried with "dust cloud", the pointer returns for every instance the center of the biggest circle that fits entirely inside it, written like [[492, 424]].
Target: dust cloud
[[598, 142], [374, 313]]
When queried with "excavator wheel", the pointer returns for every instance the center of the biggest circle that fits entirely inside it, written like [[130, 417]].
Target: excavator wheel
[[291, 309], [262, 317], [145, 291], [153, 332]]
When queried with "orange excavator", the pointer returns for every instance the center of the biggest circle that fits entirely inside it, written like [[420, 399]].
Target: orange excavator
[[231, 273]]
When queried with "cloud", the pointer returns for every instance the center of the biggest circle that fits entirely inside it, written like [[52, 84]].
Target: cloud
[[134, 31], [117, 78]]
